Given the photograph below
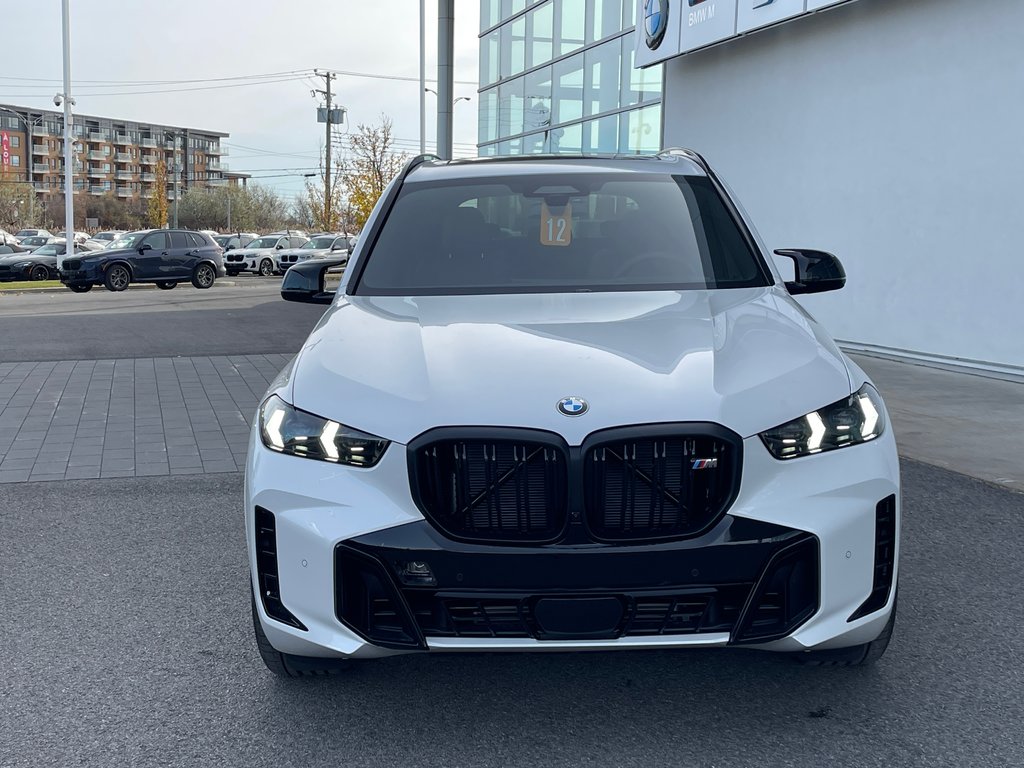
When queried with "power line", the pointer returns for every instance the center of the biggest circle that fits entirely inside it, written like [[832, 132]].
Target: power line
[[114, 83], [164, 90]]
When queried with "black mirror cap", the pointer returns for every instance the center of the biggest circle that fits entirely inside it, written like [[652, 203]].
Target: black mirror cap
[[816, 271], [305, 281]]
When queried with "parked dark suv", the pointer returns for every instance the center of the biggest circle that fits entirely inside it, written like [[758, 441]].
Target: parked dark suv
[[162, 256]]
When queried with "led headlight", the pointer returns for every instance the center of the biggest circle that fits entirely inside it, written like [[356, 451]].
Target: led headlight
[[288, 430], [854, 419]]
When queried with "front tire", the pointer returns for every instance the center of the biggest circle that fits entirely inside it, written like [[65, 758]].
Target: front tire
[[287, 665], [80, 288], [266, 268], [166, 285], [117, 279], [203, 276], [39, 272], [854, 656]]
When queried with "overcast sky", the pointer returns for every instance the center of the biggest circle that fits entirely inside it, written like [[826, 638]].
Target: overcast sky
[[113, 40]]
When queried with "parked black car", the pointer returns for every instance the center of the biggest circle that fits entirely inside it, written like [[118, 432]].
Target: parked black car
[[40, 264], [162, 256]]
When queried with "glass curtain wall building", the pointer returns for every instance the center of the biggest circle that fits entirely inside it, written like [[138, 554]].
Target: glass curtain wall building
[[557, 76]]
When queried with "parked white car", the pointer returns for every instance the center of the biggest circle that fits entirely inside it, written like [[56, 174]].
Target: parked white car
[[319, 246], [259, 256], [103, 239], [569, 404]]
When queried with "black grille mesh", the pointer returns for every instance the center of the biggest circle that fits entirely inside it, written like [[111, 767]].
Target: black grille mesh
[[658, 487], [493, 489]]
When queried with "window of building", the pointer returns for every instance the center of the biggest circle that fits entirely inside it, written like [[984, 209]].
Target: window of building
[[605, 19], [15, 141], [571, 24], [568, 89], [537, 100], [15, 160], [602, 135], [513, 48], [511, 7], [640, 130], [106, 151], [567, 139], [487, 115], [638, 85], [510, 107], [601, 78], [541, 34]]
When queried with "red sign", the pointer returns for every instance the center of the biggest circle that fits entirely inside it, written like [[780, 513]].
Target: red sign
[[5, 149]]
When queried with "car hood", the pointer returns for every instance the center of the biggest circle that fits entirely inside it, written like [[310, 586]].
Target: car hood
[[14, 258], [748, 359], [254, 251]]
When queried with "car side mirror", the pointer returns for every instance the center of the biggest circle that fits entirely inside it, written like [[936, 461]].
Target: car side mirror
[[228, 248], [304, 281], [816, 271], [145, 247], [279, 247]]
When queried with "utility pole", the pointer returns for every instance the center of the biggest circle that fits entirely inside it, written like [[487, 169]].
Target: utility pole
[[328, 121], [445, 76], [423, 77], [69, 158]]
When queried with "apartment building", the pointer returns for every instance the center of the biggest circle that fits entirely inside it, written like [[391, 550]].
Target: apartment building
[[112, 157]]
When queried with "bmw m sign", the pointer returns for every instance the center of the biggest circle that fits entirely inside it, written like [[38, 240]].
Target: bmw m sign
[[668, 28]]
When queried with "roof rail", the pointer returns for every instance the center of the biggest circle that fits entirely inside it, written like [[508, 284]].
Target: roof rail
[[689, 154], [415, 163]]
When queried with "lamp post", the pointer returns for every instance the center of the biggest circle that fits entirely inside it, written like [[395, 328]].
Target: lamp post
[[69, 159]]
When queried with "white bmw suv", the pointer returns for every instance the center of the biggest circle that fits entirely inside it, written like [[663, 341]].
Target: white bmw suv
[[568, 404], [260, 254]]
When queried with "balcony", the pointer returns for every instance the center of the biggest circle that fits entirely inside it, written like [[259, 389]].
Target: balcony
[[221, 151], [40, 130], [125, 176], [216, 182], [148, 143], [40, 168], [99, 136], [40, 149], [123, 157], [149, 177], [95, 155], [124, 191], [97, 170], [146, 194], [149, 159], [122, 139], [98, 189], [42, 186]]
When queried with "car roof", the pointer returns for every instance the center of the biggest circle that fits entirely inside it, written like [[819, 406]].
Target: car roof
[[671, 161]]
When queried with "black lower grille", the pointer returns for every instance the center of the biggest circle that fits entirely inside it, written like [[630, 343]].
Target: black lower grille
[[72, 264], [654, 614], [367, 600], [885, 558], [785, 596], [266, 567], [661, 486], [492, 490]]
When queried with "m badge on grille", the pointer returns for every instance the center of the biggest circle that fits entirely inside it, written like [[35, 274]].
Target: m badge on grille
[[704, 464]]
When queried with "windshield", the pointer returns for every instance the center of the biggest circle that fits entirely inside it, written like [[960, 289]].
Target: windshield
[[222, 240], [263, 242], [49, 250], [318, 243], [559, 233], [129, 240], [105, 236], [30, 241], [26, 233]]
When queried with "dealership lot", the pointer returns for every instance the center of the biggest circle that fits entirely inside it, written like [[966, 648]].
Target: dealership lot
[[150, 659]]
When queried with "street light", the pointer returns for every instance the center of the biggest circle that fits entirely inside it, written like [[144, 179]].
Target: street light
[[454, 101]]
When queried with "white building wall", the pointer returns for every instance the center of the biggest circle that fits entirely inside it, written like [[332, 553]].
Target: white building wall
[[891, 134]]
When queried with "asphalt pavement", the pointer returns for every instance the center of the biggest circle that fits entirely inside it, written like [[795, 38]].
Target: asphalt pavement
[[127, 642], [245, 317]]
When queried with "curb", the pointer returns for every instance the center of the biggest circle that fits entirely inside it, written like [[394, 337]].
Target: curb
[[131, 287]]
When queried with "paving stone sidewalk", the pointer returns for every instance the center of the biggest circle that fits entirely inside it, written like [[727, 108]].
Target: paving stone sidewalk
[[126, 418]]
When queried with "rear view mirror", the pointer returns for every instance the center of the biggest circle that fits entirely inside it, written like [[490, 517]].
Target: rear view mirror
[[816, 271], [145, 247], [304, 281]]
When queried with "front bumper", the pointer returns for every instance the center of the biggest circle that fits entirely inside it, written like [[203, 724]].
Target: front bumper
[[335, 527]]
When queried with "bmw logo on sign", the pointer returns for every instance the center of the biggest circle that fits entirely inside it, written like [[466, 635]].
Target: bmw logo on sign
[[572, 406], [655, 21]]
